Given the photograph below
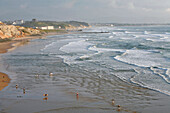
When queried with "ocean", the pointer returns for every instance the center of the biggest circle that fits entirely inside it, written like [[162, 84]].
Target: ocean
[[128, 63]]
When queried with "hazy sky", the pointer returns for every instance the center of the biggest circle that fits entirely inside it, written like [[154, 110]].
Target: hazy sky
[[126, 11]]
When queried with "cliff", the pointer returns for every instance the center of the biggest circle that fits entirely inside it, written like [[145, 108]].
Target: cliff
[[75, 25], [71, 27], [10, 31]]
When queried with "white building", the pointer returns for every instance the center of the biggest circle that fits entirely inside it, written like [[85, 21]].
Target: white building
[[43, 28], [47, 28], [18, 22], [50, 27]]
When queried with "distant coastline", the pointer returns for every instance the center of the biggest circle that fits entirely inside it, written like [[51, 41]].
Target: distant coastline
[[128, 24]]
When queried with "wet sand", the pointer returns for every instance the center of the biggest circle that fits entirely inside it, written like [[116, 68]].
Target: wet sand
[[4, 80]]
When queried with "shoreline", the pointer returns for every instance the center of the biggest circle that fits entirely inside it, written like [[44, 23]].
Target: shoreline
[[12, 45]]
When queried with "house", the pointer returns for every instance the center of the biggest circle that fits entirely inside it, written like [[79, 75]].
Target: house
[[18, 22], [47, 28], [34, 20], [50, 27], [43, 28]]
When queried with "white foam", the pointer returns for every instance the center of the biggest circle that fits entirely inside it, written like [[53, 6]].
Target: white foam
[[168, 72], [146, 79], [140, 58], [98, 51], [150, 86], [84, 57], [69, 36], [153, 37], [68, 59], [147, 59], [47, 46], [83, 36], [94, 48], [89, 55], [76, 46], [163, 39], [114, 33], [127, 32], [166, 78], [96, 30], [167, 33], [130, 32], [158, 35], [145, 32], [118, 33], [110, 36]]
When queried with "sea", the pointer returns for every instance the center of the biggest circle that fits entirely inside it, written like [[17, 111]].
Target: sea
[[128, 63]]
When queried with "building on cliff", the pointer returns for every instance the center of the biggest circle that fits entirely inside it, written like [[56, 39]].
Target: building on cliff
[[1, 23], [34, 20], [18, 22], [50, 27], [47, 28]]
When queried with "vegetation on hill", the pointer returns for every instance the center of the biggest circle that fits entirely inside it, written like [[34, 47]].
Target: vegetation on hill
[[63, 25], [55, 30], [78, 24]]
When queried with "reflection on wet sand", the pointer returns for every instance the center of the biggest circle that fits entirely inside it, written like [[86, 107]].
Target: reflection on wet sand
[[4, 80]]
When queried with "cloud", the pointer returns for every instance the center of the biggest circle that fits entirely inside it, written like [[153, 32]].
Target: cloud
[[146, 9], [112, 4], [92, 10], [145, 5], [70, 4], [168, 10], [131, 5], [23, 6], [123, 5]]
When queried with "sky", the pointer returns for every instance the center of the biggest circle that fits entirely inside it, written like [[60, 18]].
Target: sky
[[92, 11]]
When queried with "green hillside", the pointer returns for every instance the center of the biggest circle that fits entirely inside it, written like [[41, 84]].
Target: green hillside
[[55, 24]]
